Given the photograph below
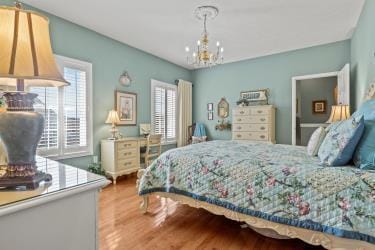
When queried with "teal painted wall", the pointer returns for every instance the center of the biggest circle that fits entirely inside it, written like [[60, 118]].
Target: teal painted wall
[[109, 59], [362, 53], [274, 72]]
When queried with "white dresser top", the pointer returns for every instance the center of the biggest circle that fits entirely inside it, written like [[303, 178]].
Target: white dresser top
[[66, 180]]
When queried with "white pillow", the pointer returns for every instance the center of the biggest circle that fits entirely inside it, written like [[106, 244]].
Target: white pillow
[[199, 139], [315, 141]]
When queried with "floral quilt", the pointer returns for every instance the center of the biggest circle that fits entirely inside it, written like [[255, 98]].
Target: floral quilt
[[279, 183]]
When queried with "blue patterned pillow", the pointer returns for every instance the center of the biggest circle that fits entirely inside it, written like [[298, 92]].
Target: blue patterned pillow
[[364, 156], [339, 145], [367, 110]]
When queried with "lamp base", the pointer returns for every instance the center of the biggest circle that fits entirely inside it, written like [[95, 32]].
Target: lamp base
[[29, 182]]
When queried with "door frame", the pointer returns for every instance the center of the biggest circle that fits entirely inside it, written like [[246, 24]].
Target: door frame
[[294, 97]]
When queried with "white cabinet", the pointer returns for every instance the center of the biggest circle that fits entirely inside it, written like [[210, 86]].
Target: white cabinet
[[254, 123], [120, 157]]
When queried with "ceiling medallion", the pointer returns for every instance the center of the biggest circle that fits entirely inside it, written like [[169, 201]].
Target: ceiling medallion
[[202, 56]]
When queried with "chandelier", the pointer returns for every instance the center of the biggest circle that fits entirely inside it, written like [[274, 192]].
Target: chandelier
[[202, 56]]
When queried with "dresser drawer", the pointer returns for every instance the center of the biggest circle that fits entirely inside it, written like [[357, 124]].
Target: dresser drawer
[[251, 119], [253, 136], [260, 111], [241, 111], [127, 153], [250, 127], [127, 164], [123, 145]]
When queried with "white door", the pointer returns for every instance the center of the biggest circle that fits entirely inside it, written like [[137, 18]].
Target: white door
[[343, 79]]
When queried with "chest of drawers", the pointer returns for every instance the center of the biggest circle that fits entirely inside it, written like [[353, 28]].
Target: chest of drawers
[[120, 157], [254, 123]]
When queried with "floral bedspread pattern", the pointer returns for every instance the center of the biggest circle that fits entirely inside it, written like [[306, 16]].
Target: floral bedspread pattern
[[279, 183]]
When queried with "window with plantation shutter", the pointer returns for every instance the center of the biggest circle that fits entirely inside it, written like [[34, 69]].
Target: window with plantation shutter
[[66, 110], [163, 110]]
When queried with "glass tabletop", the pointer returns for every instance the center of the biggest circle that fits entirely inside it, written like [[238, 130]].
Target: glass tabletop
[[63, 177]]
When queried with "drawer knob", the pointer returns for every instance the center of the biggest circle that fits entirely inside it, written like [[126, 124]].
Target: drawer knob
[[262, 137], [239, 120], [241, 112], [260, 111], [262, 128], [262, 119], [239, 136], [239, 127]]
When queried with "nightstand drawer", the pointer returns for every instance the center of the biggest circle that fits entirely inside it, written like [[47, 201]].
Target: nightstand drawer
[[127, 164], [250, 127], [254, 136], [127, 153], [126, 145]]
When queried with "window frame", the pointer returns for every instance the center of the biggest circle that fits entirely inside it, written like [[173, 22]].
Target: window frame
[[156, 83], [61, 152]]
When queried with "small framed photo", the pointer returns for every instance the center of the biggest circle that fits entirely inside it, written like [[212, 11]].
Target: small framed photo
[[126, 106], [210, 107], [319, 107], [210, 116]]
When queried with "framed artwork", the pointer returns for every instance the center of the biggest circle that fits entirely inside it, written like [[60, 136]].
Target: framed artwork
[[126, 106], [256, 96], [319, 107], [210, 116], [210, 107]]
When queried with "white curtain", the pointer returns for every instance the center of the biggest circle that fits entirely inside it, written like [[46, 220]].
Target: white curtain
[[184, 111]]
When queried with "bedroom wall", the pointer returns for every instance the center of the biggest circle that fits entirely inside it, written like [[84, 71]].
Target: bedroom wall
[[363, 53], [273, 72], [109, 59]]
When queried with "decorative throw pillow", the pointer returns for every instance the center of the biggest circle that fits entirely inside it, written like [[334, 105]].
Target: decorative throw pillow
[[315, 141], [339, 145], [367, 110], [364, 156], [198, 139]]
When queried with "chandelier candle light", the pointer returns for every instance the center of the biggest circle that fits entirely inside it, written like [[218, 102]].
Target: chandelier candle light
[[202, 56]]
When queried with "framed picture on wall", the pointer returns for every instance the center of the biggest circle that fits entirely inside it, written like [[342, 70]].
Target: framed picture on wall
[[210, 107], [126, 106], [210, 116], [319, 107]]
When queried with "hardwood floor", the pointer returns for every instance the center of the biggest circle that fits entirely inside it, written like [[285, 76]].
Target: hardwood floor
[[169, 225]]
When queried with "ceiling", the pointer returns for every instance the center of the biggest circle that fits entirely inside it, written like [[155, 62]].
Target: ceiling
[[246, 28]]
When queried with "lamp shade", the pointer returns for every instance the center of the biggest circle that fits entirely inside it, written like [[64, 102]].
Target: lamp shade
[[112, 117], [339, 113], [26, 52]]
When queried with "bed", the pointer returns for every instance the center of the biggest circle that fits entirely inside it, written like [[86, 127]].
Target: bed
[[278, 190]]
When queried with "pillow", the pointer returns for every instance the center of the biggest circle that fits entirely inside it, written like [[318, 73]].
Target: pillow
[[364, 156], [198, 139], [367, 110], [339, 145], [315, 141]]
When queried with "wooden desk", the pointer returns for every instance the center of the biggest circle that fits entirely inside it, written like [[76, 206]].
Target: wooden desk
[[122, 156]]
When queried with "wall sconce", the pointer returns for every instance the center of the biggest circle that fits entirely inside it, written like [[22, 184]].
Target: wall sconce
[[125, 79]]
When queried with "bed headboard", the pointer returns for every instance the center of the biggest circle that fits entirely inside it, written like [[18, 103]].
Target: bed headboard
[[370, 92]]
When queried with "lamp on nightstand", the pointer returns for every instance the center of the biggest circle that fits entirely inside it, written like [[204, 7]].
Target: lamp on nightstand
[[26, 59], [113, 119], [339, 113]]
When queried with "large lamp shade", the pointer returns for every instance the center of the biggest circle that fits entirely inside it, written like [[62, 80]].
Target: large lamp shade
[[339, 113], [26, 52]]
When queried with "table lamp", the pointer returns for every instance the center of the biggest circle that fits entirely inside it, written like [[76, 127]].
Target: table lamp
[[26, 59], [113, 119], [339, 113]]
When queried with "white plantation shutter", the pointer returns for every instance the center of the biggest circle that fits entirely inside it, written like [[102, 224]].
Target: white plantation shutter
[[163, 110], [68, 123]]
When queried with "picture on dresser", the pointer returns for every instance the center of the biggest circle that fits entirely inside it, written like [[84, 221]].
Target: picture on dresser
[[255, 97], [126, 106]]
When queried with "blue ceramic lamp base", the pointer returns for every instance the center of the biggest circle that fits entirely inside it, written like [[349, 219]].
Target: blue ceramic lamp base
[[20, 130]]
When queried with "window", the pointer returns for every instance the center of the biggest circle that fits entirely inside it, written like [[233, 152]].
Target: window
[[67, 114], [163, 110]]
